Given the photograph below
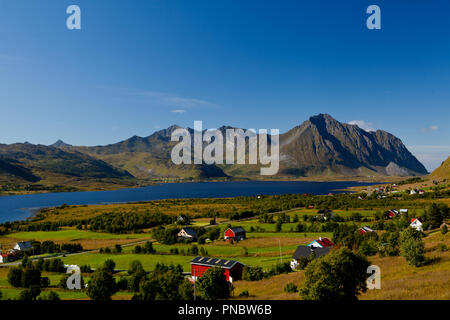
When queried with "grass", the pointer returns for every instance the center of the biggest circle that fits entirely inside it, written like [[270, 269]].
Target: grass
[[72, 235], [399, 281]]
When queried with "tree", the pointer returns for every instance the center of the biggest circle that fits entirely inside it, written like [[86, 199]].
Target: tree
[[109, 265], [278, 226], [102, 285], [118, 248], [51, 296], [148, 247], [435, 214], [30, 294], [15, 276], [186, 290], [137, 274], [340, 275], [213, 285], [31, 277], [444, 229], [252, 273], [413, 249]]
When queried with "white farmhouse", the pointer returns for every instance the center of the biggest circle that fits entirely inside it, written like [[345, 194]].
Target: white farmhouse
[[416, 223], [23, 246]]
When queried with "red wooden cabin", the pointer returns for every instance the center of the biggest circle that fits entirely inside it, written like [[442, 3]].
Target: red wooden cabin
[[236, 233]]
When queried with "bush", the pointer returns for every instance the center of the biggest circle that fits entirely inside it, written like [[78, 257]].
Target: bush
[[413, 251], [244, 294], [252, 273], [290, 287], [444, 229], [302, 263]]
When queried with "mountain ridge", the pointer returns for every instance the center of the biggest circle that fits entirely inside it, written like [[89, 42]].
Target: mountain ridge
[[320, 146]]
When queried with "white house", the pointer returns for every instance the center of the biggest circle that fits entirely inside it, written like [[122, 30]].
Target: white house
[[187, 233], [23, 246], [416, 223], [413, 191]]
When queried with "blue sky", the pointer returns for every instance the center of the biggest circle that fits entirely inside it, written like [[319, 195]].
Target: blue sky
[[143, 65]]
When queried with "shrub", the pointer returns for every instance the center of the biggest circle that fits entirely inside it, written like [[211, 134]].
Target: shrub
[[290, 287], [244, 294]]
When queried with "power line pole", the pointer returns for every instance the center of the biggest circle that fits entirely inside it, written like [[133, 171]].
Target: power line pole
[[195, 281], [279, 244]]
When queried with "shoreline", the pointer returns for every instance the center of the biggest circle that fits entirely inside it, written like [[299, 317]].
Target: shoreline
[[358, 179]]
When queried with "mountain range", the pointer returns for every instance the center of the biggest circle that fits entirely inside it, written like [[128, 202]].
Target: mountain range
[[319, 147]]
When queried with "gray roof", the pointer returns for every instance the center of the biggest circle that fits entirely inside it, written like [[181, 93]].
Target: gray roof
[[237, 230], [24, 245], [214, 262], [305, 251], [190, 231]]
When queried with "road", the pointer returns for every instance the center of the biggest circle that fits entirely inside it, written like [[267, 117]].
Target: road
[[16, 263]]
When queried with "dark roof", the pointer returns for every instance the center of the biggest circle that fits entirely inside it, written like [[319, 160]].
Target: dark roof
[[237, 229], [214, 262], [24, 245], [305, 251], [190, 231]]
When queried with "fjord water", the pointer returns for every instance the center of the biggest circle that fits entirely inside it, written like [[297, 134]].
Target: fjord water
[[19, 207]]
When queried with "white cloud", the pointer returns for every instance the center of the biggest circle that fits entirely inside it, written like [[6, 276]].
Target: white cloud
[[173, 100], [430, 129], [430, 155], [367, 126], [180, 111]]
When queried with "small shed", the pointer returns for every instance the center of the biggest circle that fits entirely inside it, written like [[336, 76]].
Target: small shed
[[235, 233]]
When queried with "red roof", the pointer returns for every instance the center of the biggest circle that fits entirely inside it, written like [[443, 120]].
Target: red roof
[[414, 219], [325, 242]]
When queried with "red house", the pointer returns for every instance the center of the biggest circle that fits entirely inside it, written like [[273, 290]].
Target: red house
[[392, 213], [236, 233], [364, 230], [232, 269]]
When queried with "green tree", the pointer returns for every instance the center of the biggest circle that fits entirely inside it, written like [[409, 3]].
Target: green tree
[[102, 285], [435, 214], [31, 277], [15, 276], [278, 226], [51, 296], [109, 265], [444, 229], [186, 290], [213, 285], [413, 250], [30, 294], [340, 275]]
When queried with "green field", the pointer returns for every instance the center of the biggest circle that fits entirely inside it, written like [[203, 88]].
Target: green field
[[73, 234]]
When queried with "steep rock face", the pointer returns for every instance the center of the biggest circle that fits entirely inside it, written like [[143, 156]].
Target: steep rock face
[[319, 146], [323, 144]]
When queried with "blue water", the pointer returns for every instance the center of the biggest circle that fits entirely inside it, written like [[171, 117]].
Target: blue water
[[14, 208]]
